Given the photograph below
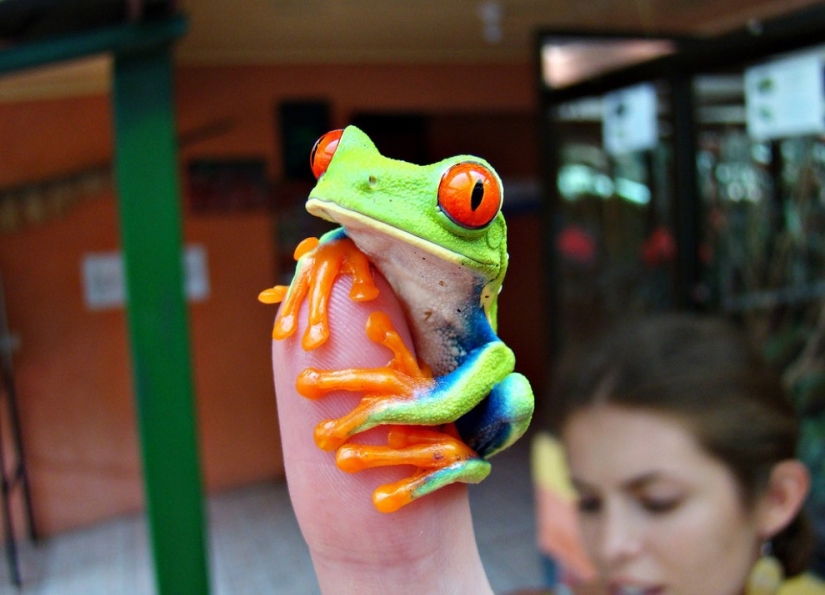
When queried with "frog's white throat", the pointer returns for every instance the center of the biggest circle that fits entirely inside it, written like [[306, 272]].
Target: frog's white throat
[[436, 291]]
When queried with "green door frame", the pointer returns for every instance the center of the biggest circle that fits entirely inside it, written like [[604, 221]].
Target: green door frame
[[151, 234]]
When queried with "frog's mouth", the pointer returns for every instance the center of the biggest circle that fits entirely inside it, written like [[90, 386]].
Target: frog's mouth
[[360, 227]]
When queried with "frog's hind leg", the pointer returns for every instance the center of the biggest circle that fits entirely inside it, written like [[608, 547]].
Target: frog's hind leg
[[442, 459], [392, 496], [500, 419]]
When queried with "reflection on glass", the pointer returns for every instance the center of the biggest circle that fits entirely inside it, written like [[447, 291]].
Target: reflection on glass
[[616, 254], [764, 211], [566, 60]]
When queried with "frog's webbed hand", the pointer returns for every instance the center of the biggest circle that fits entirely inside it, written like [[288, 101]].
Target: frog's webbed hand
[[319, 264], [400, 380]]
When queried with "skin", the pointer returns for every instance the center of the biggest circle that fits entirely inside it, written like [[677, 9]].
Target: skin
[[427, 546], [667, 519]]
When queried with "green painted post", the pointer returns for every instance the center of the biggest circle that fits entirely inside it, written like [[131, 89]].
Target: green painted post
[[150, 219]]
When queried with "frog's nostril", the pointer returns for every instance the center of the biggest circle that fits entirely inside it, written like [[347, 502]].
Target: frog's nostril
[[373, 180]]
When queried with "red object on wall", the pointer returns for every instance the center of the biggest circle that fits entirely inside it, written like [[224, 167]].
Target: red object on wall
[[576, 245], [659, 248]]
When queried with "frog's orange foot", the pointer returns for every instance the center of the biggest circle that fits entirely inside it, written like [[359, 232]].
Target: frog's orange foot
[[406, 445], [273, 295], [332, 433], [385, 388], [441, 459], [314, 384], [401, 376], [319, 265]]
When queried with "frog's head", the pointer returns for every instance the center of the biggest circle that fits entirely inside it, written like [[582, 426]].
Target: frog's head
[[450, 209]]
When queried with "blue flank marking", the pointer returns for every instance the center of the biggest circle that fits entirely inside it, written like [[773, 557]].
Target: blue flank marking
[[479, 329], [487, 426], [483, 335]]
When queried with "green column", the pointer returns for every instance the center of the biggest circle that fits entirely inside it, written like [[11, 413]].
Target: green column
[[150, 219]]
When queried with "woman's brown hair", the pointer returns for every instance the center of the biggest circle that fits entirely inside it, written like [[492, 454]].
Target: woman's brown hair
[[703, 371]]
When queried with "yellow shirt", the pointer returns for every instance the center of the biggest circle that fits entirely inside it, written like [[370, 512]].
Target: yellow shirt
[[556, 513], [804, 584]]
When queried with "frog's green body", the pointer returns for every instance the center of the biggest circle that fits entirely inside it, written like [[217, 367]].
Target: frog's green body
[[447, 277]]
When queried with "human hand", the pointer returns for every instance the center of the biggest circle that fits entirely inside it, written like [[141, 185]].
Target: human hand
[[427, 546]]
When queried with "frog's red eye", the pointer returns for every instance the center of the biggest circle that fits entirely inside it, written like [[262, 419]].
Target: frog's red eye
[[470, 195], [323, 151]]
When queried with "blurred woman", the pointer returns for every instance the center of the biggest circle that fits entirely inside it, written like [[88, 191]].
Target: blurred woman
[[681, 446]]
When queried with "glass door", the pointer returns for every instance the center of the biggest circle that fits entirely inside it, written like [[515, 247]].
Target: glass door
[[614, 246]]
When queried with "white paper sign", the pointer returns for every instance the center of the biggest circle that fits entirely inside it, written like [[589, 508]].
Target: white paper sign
[[103, 281], [629, 120], [785, 98], [196, 273]]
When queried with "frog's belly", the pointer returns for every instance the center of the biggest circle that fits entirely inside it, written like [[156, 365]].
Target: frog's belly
[[441, 299]]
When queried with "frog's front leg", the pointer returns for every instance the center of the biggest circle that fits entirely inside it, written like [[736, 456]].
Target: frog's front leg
[[402, 393], [320, 262]]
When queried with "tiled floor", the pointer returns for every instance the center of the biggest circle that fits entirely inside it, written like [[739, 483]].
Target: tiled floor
[[257, 549]]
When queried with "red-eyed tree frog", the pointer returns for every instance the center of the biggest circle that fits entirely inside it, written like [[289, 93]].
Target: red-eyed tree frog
[[437, 234]]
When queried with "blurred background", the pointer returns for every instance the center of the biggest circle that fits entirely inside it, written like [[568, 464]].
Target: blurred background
[[653, 154]]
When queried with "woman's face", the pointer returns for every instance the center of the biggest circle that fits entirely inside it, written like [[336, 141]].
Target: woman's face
[[659, 515]]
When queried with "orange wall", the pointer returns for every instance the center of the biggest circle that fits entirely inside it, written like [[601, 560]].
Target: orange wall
[[40, 140], [248, 95], [73, 378]]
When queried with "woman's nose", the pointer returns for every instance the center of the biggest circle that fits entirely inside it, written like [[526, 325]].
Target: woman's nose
[[619, 536]]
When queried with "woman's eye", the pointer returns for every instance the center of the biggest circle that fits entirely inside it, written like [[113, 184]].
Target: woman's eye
[[659, 505], [589, 504]]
